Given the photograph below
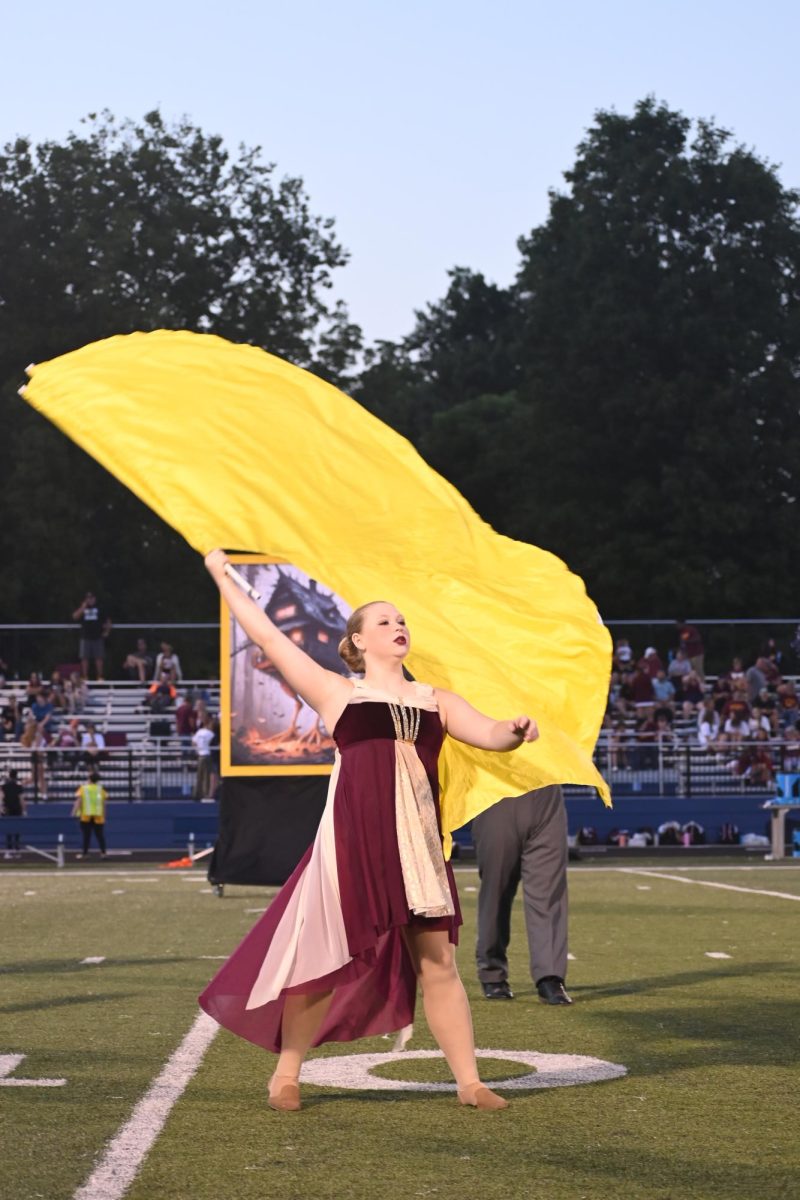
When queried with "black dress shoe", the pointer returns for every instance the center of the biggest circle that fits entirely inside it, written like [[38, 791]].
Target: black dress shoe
[[497, 991], [552, 991]]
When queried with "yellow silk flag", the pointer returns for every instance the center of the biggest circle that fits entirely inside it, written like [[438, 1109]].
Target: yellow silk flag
[[236, 448]]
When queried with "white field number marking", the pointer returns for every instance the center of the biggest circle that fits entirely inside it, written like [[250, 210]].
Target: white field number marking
[[10, 1062], [549, 1070]]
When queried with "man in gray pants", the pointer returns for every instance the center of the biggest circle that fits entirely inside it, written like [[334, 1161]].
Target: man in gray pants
[[523, 837]]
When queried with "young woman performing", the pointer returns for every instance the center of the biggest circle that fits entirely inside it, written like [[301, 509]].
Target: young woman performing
[[371, 909]]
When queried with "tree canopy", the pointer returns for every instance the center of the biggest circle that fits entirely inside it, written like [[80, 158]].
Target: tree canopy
[[629, 402], [644, 425], [138, 226]]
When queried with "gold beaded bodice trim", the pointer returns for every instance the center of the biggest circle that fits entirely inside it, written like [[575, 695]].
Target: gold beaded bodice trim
[[406, 722]]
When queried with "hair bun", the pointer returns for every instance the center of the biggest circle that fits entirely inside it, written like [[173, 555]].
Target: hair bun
[[351, 655]]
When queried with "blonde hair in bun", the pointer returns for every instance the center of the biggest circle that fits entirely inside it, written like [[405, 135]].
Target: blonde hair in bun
[[348, 651]]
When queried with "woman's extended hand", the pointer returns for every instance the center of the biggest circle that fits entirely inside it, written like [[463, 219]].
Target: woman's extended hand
[[524, 728], [215, 562]]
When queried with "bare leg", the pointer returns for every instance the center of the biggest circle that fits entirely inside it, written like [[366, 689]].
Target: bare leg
[[444, 1000], [302, 1017]]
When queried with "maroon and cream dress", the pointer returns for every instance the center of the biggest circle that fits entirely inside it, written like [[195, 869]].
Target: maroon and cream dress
[[376, 865]]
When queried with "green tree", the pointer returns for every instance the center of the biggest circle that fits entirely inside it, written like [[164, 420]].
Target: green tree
[[462, 347], [631, 402], [129, 226], [661, 358]]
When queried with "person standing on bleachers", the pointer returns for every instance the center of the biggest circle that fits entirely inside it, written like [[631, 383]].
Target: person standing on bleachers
[[202, 739], [95, 628], [185, 721], [90, 809]]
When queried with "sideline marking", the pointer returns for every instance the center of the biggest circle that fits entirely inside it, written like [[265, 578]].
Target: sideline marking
[[717, 954], [727, 887], [550, 1070], [126, 1151], [93, 961], [9, 1063]]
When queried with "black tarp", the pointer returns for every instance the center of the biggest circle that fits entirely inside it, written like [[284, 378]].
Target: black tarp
[[265, 826]]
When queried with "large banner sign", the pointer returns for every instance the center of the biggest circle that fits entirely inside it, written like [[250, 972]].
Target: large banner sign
[[266, 728]]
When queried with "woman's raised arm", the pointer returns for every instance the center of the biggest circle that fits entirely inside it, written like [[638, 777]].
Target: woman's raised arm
[[325, 691], [466, 724]]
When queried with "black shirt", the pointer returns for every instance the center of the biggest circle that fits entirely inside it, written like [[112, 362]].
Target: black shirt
[[12, 798], [91, 622]]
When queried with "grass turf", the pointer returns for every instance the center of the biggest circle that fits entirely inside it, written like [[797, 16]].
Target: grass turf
[[706, 1110]]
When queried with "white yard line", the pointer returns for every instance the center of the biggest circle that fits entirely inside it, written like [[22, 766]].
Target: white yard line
[[728, 887], [126, 1151]]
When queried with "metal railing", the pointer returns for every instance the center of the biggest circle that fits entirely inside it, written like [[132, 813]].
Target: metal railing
[[166, 769], [161, 770]]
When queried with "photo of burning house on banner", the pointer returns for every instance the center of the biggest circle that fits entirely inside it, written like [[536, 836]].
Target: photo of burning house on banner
[[271, 730]]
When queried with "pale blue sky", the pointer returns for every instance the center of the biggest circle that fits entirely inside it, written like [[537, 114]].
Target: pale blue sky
[[429, 131]]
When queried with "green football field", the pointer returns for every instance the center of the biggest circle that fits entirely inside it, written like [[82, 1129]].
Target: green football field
[[122, 1091]]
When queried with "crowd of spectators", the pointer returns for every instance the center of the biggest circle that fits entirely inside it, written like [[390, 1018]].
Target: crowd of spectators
[[47, 716], [747, 720]]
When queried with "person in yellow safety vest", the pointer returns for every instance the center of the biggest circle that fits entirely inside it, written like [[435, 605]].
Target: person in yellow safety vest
[[90, 808]]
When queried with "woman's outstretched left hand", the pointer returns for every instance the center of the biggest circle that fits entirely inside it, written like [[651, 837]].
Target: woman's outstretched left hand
[[524, 728]]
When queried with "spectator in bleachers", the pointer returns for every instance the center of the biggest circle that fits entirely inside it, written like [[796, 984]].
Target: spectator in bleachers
[[755, 762], [13, 806], [93, 744], [43, 713], [161, 695], [623, 654], [770, 670], [666, 738], [4, 671], [185, 720], [12, 723], [690, 641], [790, 752], [733, 680], [642, 691], [95, 628], [736, 728], [768, 704], [664, 690], [651, 661], [34, 686], [169, 663], [67, 742], [708, 725], [56, 691], [692, 694], [614, 685], [76, 693], [677, 671], [202, 739], [788, 704], [35, 740], [756, 680], [736, 703], [644, 755], [760, 720], [139, 663]]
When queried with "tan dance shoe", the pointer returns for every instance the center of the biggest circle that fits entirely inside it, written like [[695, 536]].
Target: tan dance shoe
[[284, 1093], [478, 1095]]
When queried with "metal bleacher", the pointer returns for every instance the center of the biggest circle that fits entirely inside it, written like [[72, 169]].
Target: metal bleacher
[[135, 765]]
